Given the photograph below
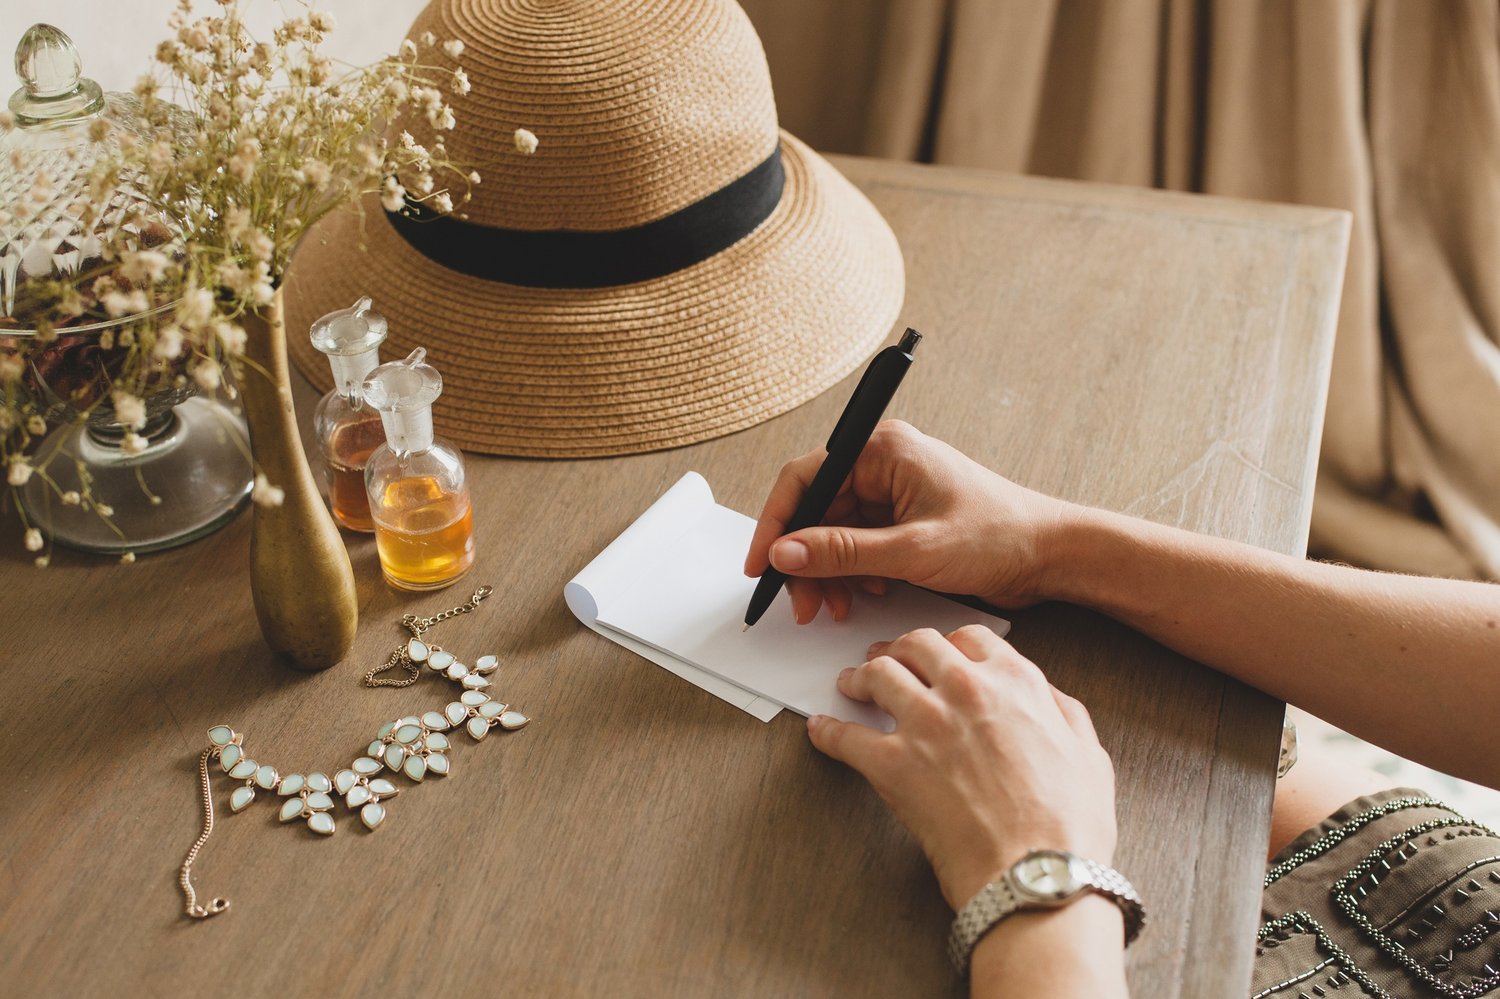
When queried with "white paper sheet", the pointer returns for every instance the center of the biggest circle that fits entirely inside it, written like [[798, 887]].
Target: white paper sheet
[[672, 584]]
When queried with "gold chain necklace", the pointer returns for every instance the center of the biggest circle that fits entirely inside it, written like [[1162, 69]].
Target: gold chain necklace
[[412, 746]]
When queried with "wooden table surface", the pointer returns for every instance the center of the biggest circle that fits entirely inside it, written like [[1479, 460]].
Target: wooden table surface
[[1158, 354]]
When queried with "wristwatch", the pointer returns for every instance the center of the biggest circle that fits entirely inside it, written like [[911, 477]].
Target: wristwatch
[[1043, 879]]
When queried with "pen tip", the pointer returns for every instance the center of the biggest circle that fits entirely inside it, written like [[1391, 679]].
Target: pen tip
[[744, 628]]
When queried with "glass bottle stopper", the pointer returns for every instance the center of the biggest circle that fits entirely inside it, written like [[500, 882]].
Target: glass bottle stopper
[[53, 88], [403, 392], [351, 339]]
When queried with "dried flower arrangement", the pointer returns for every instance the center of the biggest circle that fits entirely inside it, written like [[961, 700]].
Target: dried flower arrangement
[[249, 144]]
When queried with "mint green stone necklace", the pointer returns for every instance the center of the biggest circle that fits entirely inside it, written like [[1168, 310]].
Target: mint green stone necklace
[[414, 746]]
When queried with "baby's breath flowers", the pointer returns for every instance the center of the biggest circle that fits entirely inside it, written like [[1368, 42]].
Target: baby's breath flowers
[[248, 143]]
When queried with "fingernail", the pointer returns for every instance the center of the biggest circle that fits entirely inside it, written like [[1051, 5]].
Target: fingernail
[[789, 555], [875, 649], [816, 722], [846, 672]]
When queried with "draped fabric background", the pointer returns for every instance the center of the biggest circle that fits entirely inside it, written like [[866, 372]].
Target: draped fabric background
[[1387, 108]]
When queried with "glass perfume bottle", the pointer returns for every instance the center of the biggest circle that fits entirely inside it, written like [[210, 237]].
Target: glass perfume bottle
[[347, 428], [419, 499]]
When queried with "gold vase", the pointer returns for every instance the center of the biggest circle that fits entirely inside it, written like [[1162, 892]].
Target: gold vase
[[300, 574]]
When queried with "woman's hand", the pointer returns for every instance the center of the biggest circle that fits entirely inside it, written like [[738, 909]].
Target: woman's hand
[[914, 509], [988, 760]]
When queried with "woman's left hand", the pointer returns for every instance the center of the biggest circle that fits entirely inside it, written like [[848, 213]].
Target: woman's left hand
[[988, 760]]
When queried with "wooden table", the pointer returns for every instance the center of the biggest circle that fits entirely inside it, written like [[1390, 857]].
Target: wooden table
[[1159, 354]]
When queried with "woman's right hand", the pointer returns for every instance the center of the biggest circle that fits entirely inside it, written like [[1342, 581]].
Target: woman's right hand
[[914, 509]]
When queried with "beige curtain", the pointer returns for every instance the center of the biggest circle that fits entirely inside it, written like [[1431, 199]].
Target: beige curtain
[[1387, 108]]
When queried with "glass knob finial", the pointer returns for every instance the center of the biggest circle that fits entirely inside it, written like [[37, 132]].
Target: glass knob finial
[[53, 90], [47, 62]]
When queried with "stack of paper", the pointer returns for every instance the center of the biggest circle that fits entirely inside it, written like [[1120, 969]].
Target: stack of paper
[[672, 588]]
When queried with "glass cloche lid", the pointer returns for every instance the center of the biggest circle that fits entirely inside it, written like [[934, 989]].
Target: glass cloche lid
[[62, 124]]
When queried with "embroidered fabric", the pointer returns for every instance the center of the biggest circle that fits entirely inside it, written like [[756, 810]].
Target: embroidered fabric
[[1394, 895]]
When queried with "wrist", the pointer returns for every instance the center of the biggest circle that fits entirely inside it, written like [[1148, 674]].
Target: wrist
[[1075, 950], [1084, 549]]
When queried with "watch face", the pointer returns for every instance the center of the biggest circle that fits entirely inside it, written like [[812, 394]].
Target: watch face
[[1047, 875]]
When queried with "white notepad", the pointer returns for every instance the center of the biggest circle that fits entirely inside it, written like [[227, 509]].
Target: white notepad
[[672, 588]]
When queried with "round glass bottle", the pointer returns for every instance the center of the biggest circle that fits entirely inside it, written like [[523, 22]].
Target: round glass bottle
[[348, 429], [419, 498]]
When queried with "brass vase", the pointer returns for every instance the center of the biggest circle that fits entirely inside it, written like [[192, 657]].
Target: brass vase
[[300, 574]]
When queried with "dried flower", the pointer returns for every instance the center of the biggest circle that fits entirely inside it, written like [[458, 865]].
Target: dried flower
[[454, 48], [195, 307], [128, 558], [442, 202], [231, 337], [526, 142], [35, 425], [168, 344], [207, 375], [132, 443], [266, 494], [316, 172], [71, 498], [143, 266], [7, 120], [33, 540], [392, 195], [130, 411], [41, 561], [18, 473], [125, 303]]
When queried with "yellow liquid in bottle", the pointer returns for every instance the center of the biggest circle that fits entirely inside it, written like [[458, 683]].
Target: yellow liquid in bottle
[[425, 537]]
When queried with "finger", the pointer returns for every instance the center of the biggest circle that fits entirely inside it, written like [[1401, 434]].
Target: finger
[[847, 742], [838, 597], [806, 596], [885, 682], [845, 510], [926, 653], [847, 551], [873, 585], [978, 643], [781, 503], [1075, 714]]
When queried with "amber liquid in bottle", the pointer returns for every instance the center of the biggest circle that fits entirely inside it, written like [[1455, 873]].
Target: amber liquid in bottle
[[425, 536], [348, 451]]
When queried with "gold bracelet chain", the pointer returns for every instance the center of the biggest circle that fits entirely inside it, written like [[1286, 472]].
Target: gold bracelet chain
[[418, 627]]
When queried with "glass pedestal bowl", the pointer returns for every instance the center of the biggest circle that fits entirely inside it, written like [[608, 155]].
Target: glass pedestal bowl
[[192, 476]]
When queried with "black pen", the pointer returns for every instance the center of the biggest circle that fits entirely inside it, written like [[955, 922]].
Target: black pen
[[850, 435]]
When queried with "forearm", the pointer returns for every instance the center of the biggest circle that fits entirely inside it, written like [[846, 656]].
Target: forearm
[[1392, 658], [1075, 951]]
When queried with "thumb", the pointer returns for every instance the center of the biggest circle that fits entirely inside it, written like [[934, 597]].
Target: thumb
[[845, 551]]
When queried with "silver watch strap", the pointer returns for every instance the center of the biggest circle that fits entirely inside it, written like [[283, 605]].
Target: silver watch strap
[[998, 899], [1117, 888], [989, 905]]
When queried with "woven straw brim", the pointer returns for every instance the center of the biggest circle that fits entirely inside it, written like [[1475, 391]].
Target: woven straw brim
[[727, 343]]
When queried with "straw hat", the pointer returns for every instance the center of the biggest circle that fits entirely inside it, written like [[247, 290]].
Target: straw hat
[[668, 266]]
